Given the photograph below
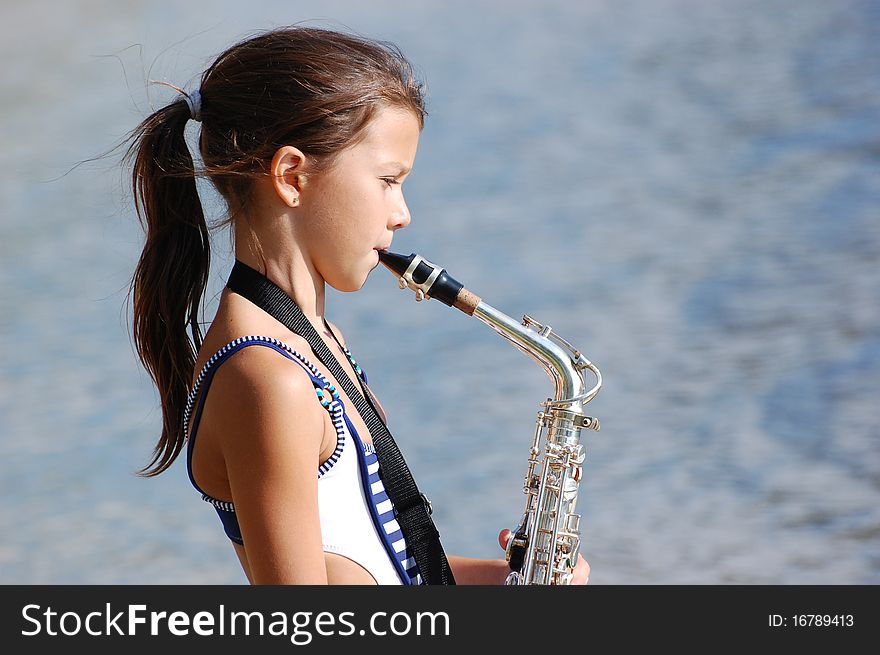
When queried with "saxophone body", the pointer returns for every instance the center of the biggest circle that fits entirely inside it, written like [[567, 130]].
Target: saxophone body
[[544, 545]]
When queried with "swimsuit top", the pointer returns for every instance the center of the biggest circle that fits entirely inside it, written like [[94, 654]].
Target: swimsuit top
[[357, 517]]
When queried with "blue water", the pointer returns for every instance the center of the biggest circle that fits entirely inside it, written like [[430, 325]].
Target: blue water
[[687, 191]]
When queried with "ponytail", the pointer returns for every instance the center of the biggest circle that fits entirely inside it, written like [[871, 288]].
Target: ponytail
[[172, 272]]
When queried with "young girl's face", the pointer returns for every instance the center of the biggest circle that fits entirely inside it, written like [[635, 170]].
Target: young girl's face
[[352, 210]]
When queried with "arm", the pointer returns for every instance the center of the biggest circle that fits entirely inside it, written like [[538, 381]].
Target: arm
[[271, 462], [473, 571]]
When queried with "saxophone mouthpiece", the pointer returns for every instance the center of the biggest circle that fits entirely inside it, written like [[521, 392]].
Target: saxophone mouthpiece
[[429, 280]]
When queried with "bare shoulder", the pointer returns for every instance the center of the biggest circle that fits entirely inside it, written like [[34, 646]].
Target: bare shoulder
[[256, 393], [270, 429]]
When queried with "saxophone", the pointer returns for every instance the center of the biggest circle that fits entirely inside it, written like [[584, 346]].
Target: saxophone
[[544, 545]]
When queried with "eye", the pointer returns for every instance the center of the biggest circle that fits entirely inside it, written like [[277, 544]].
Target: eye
[[390, 181]]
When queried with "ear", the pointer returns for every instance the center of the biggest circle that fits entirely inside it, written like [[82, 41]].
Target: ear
[[287, 172]]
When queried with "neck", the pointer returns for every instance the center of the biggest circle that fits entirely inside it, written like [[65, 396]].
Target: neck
[[294, 273]]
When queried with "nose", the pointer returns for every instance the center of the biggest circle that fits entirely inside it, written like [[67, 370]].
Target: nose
[[400, 218]]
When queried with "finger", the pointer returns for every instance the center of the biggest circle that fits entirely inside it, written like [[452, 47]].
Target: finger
[[503, 537], [581, 573]]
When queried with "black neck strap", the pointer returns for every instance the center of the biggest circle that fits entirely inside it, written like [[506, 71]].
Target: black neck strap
[[413, 509]]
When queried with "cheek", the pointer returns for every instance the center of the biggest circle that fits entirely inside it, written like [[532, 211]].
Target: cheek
[[346, 221], [362, 215], [355, 211]]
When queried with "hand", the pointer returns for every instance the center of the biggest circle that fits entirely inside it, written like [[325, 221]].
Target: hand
[[581, 573]]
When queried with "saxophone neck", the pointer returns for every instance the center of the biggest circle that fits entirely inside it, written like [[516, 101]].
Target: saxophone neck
[[563, 363]]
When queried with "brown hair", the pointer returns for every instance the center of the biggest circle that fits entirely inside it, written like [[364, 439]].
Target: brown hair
[[310, 87]]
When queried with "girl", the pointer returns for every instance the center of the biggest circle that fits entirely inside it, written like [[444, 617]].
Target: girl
[[307, 134]]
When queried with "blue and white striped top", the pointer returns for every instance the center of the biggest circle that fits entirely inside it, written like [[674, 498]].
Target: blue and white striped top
[[387, 517]]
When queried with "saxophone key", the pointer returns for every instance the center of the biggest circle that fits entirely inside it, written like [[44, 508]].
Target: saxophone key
[[590, 422]]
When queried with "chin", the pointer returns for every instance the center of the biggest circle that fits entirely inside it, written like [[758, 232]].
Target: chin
[[354, 276], [346, 288], [348, 284]]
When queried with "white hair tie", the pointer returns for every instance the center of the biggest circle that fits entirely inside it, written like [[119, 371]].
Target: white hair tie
[[194, 102]]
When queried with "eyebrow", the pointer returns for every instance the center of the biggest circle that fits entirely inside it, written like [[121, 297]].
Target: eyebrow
[[400, 167]]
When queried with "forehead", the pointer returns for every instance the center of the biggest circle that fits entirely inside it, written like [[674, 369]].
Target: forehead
[[391, 138]]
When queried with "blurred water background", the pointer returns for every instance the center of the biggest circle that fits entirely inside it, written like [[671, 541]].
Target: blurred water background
[[688, 191]]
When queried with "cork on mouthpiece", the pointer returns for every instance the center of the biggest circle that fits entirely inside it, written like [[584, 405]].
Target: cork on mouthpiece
[[467, 301]]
